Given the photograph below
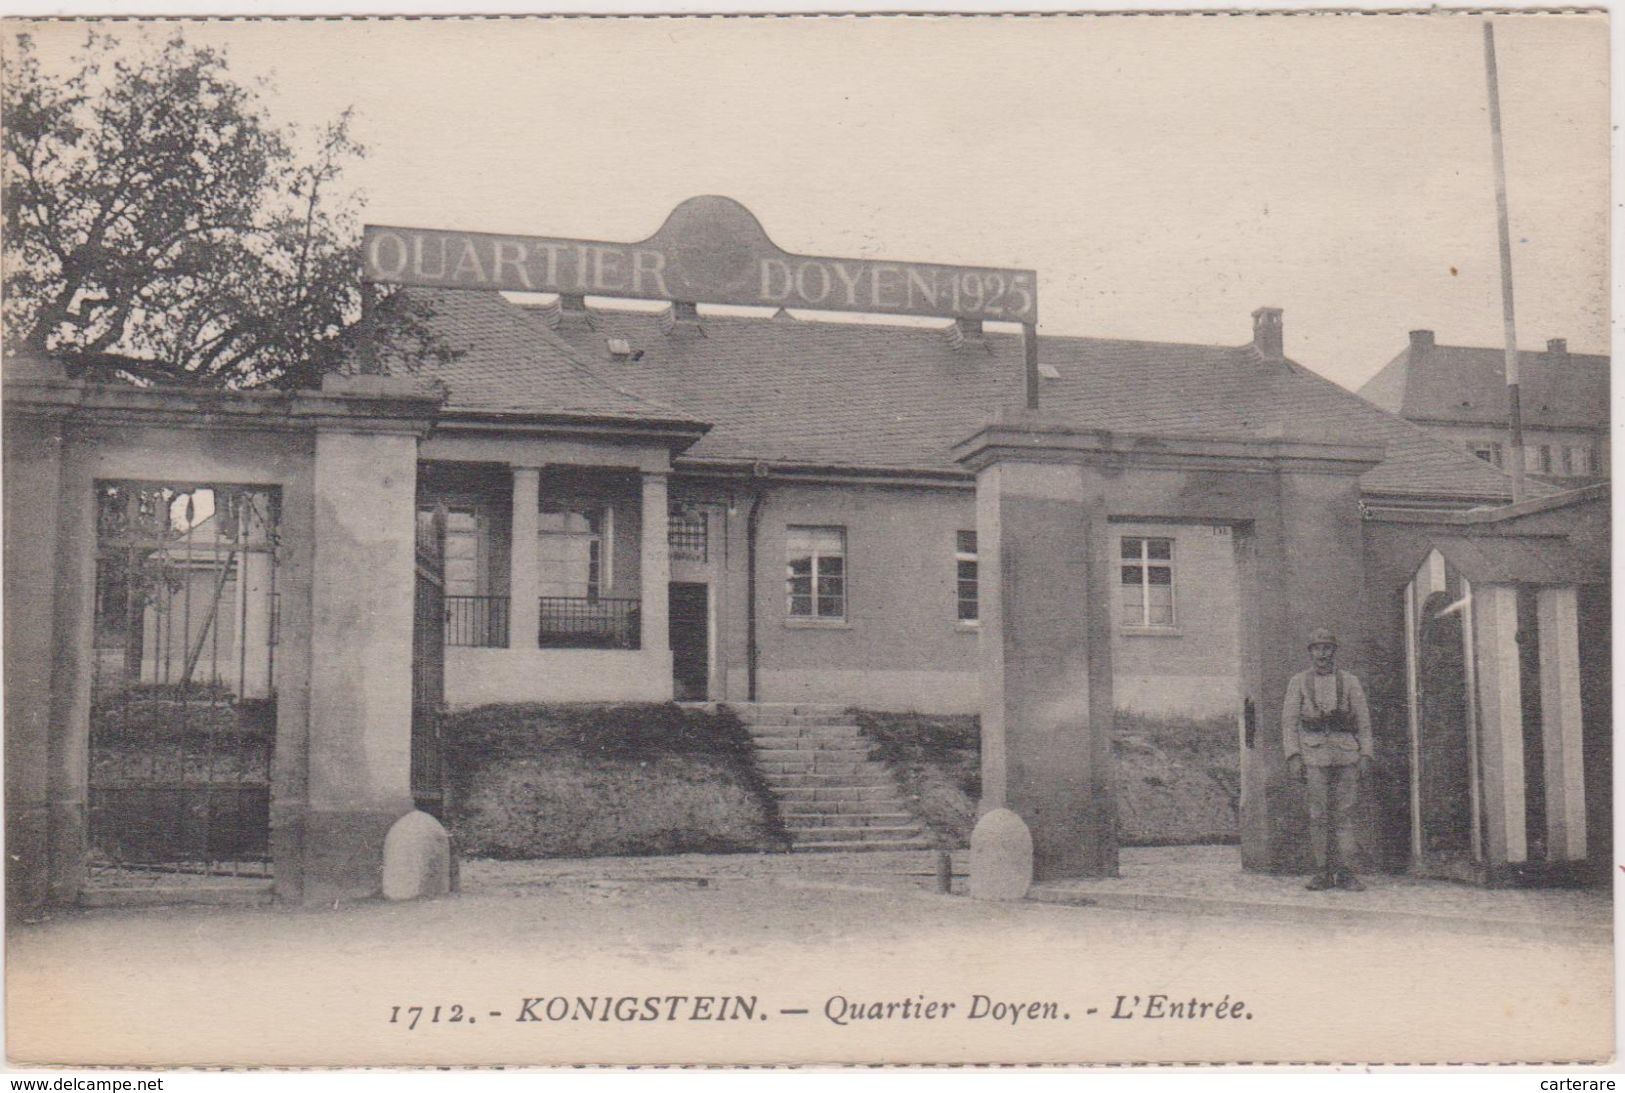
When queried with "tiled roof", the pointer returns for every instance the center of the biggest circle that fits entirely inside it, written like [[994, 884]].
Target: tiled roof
[[891, 397], [1468, 384], [510, 362]]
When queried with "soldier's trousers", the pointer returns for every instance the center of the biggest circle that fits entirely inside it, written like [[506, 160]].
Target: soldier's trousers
[[1332, 791]]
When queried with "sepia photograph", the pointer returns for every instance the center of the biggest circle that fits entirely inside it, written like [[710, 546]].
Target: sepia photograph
[[1074, 538]]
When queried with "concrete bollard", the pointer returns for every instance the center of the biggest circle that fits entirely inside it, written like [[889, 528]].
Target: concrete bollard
[[417, 858], [1001, 857]]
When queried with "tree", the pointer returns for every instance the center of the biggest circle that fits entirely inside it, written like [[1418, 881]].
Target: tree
[[160, 226]]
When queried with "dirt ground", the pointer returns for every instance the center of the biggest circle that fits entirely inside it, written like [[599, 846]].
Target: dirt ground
[[756, 945]]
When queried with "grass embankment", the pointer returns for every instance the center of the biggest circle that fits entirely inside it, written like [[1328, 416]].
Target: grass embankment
[[1178, 780], [582, 780], [937, 761]]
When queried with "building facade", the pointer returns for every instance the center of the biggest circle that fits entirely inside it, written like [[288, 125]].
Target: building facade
[[1459, 394], [819, 541]]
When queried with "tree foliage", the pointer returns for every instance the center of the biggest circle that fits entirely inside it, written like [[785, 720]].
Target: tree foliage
[[158, 224]]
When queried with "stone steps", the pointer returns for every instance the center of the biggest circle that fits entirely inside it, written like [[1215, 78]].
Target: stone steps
[[831, 794], [921, 843], [875, 818]]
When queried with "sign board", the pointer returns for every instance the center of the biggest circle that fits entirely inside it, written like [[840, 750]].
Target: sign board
[[711, 250]]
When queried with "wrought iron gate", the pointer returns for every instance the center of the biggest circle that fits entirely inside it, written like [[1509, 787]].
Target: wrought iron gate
[[183, 695], [429, 663]]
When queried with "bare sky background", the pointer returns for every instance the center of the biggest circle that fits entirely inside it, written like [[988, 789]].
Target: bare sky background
[[1164, 175]]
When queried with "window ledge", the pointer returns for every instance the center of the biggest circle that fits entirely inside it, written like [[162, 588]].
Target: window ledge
[[799, 622], [968, 626], [1151, 631]]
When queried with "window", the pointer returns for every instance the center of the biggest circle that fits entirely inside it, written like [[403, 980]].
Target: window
[[572, 549], [965, 574], [1488, 451], [1577, 462], [816, 572], [1537, 458], [1147, 581], [686, 539]]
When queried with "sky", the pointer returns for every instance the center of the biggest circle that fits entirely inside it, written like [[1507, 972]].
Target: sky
[[1164, 175]]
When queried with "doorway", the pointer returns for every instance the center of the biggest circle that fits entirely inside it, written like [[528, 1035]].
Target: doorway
[[1176, 667], [688, 609]]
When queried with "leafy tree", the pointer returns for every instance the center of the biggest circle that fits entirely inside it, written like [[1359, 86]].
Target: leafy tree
[[160, 226]]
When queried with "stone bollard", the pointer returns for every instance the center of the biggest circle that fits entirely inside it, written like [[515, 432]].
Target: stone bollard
[[417, 858], [1001, 857]]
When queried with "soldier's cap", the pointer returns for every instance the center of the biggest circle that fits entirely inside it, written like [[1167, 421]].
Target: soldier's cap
[[1322, 636]]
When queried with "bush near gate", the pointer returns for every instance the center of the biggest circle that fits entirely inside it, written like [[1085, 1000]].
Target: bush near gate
[[579, 780], [1178, 779]]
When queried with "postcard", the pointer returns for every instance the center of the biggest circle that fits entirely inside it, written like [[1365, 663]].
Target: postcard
[[847, 539]]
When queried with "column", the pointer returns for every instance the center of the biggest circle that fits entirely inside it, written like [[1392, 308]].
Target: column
[[33, 493], [655, 575], [360, 743], [524, 567], [1561, 738], [1046, 666], [1305, 570], [1500, 719]]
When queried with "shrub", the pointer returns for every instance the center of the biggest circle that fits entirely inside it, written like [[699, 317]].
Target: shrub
[[581, 780], [1178, 779]]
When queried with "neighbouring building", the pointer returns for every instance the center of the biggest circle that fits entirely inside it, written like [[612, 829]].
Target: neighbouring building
[[1459, 393]]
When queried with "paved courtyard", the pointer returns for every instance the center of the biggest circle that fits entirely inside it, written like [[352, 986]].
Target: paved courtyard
[[804, 938]]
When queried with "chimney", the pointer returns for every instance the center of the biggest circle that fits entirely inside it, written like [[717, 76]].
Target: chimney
[[1267, 336], [1557, 347], [1421, 343]]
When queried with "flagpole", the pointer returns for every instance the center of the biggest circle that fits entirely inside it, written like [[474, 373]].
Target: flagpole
[[1508, 321]]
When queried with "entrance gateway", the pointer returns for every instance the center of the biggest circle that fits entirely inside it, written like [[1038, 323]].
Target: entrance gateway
[[1046, 493]]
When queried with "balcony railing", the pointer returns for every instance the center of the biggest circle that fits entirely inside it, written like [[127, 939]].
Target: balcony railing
[[480, 621], [589, 622]]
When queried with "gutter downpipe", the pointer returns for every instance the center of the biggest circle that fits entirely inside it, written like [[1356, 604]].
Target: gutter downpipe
[[753, 521]]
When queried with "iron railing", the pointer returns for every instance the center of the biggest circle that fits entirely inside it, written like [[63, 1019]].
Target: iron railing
[[479, 621], [589, 622]]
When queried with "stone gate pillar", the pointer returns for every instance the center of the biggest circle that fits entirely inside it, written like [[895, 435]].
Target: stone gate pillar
[[358, 758], [1046, 494], [1045, 666]]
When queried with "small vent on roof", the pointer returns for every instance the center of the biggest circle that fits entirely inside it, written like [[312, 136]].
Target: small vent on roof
[[784, 313], [1048, 370], [569, 313], [681, 318], [966, 333], [621, 350]]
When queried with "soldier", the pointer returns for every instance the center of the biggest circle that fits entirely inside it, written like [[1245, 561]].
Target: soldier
[[1326, 730]]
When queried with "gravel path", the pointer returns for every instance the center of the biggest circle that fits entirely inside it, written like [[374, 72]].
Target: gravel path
[[796, 935]]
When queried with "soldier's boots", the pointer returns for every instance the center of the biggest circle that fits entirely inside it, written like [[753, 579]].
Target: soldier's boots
[[1349, 882], [1320, 882]]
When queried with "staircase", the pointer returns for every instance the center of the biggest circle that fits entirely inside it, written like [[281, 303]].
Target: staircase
[[831, 795]]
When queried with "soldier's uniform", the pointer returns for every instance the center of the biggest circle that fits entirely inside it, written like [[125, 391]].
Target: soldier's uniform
[[1326, 721]]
